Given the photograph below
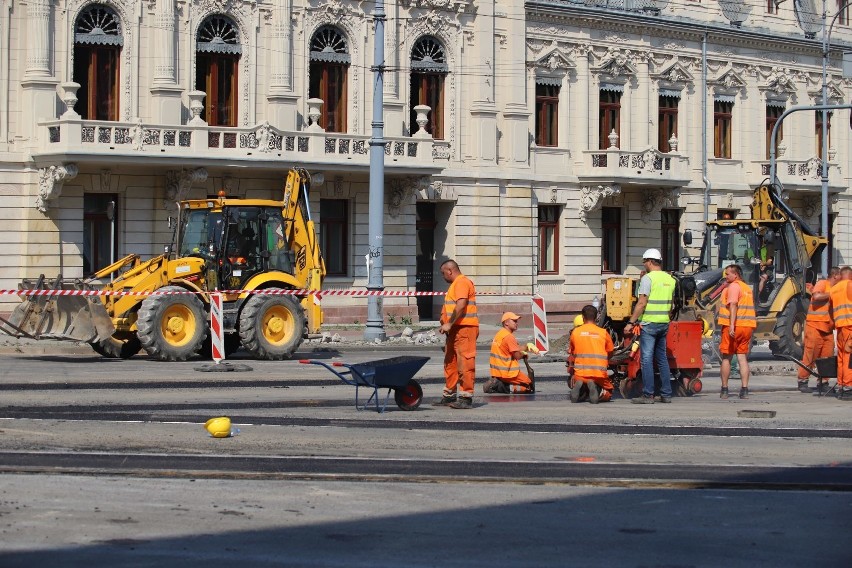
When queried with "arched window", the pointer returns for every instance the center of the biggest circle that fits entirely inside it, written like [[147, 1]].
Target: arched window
[[329, 65], [97, 54], [217, 50], [428, 70]]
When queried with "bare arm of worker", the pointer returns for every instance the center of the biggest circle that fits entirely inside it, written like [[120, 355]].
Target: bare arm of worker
[[820, 296], [637, 311], [732, 307], [461, 308]]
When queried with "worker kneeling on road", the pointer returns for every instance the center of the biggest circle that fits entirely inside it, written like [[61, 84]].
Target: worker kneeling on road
[[505, 354], [589, 349]]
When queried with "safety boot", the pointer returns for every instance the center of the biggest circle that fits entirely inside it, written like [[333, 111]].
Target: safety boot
[[594, 393], [803, 387], [724, 393], [445, 401], [744, 392], [462, 403]]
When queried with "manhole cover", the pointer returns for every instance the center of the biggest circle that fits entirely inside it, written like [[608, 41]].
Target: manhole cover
[[756, 413]]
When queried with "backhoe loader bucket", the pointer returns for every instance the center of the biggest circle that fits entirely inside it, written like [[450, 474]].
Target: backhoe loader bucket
[[78, 318]]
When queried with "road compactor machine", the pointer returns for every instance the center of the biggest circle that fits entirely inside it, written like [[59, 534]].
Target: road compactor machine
[[775, 249], [254, 251]]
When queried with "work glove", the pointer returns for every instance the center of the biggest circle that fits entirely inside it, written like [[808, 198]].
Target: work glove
[[532, 348]]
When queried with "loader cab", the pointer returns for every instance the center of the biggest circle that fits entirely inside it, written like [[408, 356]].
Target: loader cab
[[767, 253]]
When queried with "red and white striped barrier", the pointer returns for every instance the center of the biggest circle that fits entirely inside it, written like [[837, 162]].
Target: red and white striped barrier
[[216, 335], [539, 314]]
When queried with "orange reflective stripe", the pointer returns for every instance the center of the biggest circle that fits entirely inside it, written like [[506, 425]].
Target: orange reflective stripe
[[503, 365], [746, 316]]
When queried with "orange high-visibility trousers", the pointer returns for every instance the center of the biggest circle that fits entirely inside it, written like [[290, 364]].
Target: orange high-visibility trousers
[[844, 373], [521, 381], [460, 360], [818, 344], [605, 385]]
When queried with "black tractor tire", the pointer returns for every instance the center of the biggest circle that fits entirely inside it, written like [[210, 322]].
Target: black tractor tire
[[119, 346], [172, 327], [790, 329], [271, 326]]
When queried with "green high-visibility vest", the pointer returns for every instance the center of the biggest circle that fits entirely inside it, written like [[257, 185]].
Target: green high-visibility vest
[[660, 299]]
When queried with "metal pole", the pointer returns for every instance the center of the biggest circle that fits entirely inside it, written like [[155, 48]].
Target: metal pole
[[375, 328], [824, 134]]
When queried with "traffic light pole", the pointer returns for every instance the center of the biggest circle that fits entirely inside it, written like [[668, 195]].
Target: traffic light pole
[[823, 166]]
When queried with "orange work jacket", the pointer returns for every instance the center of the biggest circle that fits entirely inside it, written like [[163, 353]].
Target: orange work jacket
[[590, 346], [503, 365], [746, 316], [462, 287], [841, 304]]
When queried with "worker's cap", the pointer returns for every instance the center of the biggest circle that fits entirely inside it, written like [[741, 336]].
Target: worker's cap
[[653, 254], [510, 316]]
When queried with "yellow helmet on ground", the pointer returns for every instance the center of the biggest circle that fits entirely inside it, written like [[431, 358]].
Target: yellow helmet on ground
[[219, 427], [578, 321]]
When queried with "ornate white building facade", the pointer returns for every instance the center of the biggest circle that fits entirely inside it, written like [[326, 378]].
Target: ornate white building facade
[[544, 144]]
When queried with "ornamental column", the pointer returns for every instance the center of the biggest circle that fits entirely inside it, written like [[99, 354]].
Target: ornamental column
[[166, 107], [39, 84], [282, 107]]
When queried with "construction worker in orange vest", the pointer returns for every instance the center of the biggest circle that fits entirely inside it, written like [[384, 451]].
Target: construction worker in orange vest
[[738, 321], [505, 354], [841, 312], [819, 328], [589, 349], [460, 323]]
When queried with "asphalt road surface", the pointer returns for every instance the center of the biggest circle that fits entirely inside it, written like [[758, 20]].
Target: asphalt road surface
[[106, 463]]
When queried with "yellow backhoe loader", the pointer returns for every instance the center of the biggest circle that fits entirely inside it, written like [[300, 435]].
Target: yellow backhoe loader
[[252, 250]]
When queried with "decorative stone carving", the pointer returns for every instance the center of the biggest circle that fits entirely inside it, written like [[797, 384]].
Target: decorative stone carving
[[617, 62], [314, 113], [421, 120], [263, 137], [50, 181], [811, 205], [136, 135], [730, 80], [613, 139], [832, 153], [781, 81], [458, 6], [591, 198], [178, 184], [673, 142], [196, 107], [657, 199], [781, 149], [68, 94]]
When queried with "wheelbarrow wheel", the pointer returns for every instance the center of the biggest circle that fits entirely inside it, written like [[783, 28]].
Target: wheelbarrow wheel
[[409, 396]]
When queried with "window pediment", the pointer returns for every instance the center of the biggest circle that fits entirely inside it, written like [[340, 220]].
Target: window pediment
[[458, 6], [834, 94], [616, 63], [552, 60], [674, 74], [730, 80], [780, 81]]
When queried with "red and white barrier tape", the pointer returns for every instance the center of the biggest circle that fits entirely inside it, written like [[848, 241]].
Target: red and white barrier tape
[[274, 292]]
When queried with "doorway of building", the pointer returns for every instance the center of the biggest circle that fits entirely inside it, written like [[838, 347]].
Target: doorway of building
[[424, 279]]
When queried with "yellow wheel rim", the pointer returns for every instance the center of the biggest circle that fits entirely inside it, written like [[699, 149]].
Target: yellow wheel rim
[[178, 325], [277, 325]]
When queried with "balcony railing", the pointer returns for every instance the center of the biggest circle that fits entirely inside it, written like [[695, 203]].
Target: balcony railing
[[804, 174], [89, 138], [647, 166]]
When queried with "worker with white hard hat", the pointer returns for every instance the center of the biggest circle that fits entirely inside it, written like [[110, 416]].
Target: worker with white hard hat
[[653, 314]]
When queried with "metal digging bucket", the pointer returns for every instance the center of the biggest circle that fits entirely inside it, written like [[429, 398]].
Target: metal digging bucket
[[78, 318]]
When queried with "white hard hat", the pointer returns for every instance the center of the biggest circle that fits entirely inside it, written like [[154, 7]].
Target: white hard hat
[[653, 254]]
